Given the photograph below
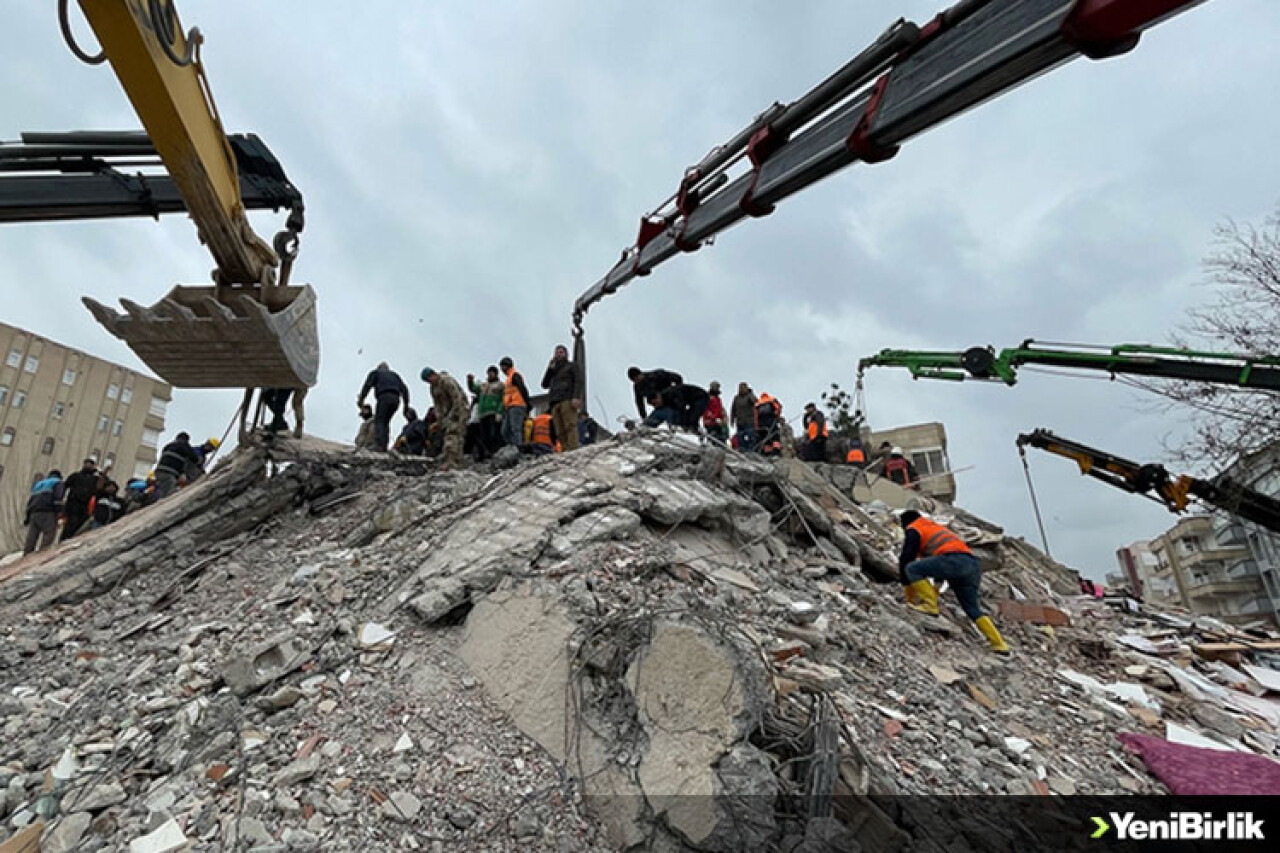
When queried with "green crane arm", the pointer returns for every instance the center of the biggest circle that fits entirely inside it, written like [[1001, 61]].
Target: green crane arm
[[1151, 479], [1245, 371]]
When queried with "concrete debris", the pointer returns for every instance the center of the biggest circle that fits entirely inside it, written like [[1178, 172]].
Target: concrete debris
[[646, 643]]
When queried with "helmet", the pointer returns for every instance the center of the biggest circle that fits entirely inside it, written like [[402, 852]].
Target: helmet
[[215, 443], [427, 373], [896, 451]]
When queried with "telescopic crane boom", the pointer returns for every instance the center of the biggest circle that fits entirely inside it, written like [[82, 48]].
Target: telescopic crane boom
[[910, 80], [984, 363], [1156, 481]]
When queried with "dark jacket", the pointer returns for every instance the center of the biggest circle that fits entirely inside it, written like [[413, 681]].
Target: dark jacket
[[561, 381], [743, 411], [80, 487], [415, 437], [108, 508], [384, 381], [46, 496], [651, 382], [175, 457]]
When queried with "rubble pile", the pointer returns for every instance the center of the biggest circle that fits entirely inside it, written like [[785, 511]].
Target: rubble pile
[[650, 642]]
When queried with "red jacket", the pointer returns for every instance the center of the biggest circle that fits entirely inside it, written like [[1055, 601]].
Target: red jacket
[[714, 414]]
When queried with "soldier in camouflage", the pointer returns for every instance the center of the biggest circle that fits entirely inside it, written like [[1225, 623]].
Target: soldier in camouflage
[[452, 410]]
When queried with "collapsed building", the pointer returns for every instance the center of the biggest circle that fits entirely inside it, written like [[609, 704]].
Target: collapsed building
[[651, 643]]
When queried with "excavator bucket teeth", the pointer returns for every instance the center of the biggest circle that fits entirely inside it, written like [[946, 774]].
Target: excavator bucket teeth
[[192, 340]]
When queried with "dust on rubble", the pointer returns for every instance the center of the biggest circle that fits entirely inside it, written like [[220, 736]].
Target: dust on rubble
[[645, 642]]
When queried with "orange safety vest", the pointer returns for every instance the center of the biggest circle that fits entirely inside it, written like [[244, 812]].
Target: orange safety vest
[[936, 539], [855, 454], [813, 430], [541, 433], [511, 396]]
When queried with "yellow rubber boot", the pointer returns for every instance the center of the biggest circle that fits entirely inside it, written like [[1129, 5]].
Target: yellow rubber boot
[[988, 629], [925, 597]]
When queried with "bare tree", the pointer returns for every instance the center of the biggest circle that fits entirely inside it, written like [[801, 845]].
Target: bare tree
[[842, 419], [1244, 270]]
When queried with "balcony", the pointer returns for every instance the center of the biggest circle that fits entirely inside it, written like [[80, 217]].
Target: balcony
[[1221, 586]]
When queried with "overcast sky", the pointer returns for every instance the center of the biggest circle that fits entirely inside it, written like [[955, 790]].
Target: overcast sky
[[470, 168]]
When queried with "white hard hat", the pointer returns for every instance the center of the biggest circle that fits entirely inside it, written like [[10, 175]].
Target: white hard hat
[[896, 451]]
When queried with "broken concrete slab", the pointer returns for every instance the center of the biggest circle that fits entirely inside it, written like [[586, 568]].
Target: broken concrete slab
[[266, 662]]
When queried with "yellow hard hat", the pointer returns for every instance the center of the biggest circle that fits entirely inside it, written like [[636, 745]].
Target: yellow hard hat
[[215, 443]]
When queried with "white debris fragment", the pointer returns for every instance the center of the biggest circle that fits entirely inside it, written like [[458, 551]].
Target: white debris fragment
[[403, 744], [372, 634], [168, 837]]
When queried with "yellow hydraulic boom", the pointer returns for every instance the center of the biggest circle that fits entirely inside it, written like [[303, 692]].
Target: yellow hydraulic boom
[[251, 329]]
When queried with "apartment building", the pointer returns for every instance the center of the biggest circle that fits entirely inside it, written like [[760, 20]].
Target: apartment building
[[926, 446], [1203, 564], [1261, 472], [58, 406]]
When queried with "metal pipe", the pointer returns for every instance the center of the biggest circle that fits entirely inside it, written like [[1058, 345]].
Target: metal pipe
[[87, 137], [28, 152]]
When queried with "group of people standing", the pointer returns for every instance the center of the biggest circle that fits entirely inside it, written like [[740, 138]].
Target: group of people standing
[[89, 498], [496, 415]]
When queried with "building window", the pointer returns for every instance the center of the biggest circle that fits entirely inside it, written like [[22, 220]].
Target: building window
[[159, 406], [68, 377], [15, 358], [117, 428], [4, 394], [6, 437], [111, 460], [1, 473], [929, 461], [126, 395], [150, 437], [113, 391], [32, 365], [103, 420], [59, 409], [47, 447], [95, 455], [19, 399]]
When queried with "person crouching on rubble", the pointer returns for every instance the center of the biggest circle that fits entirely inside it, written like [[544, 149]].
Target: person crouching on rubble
[[932, 551]]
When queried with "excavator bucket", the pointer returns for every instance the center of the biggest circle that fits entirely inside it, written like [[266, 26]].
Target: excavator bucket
[[193, 340]]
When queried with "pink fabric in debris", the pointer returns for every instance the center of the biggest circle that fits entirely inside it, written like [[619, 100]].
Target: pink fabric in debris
[[1192, 770]]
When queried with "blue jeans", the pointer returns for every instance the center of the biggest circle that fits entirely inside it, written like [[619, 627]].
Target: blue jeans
[[960, 570], [513, 425], [662, 415], [746, 439]]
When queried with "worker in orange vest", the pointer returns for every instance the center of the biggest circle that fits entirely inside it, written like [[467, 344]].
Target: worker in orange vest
[[815, 423], [932, 551], [542, 435], [856, 455], [768, 429]]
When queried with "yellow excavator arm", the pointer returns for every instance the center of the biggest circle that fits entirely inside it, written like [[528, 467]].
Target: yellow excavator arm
[[159, 68], [251, 329]]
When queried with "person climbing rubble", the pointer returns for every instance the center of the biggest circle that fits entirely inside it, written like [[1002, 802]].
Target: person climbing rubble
[[364, 435], [930, 550], [489, 395], [108, 506], [898, 469], [413, 436], [855, 455], [174, 459], [714, 420], [768, 428], [543, 438], [43, 507], [452, 411], [681, 405], [515, 403], [815, 424], [388, 390], [649, 383], [561, 384], [80, 489]]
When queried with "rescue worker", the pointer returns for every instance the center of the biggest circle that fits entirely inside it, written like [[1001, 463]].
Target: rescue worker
[[648, 384], [275, 400], [364, 435], [856, 455], [815, 424], [489, 407], [542, 435], [413, 437], [768, 431], [560, 381], [687, 404], [898, 469], [43, 506], [588, 429], [388, 390], [742, 417], [174, 459], [714, 419], [204, 453], [452, 411], [80, 488], [515, 403], [108, 506], [930, 550]]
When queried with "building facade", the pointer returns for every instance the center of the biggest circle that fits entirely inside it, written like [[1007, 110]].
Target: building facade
[[926, 446], [1261, 472], [1203, 564], [59, 406]]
